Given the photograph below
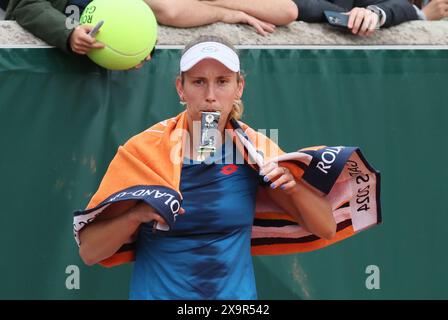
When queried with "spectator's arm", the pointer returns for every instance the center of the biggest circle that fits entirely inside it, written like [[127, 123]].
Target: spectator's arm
[[40, 18], [185, 13], [194, 13], [436, 10], [397, 11], [278, 12], [313, 10]]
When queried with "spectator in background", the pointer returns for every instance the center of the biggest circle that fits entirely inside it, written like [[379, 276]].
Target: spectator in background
[[365, 15], [3, 5], [263, 15], [432, 9], [46, 19]]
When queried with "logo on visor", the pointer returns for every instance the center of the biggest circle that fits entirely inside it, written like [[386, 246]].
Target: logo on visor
[[209, 49]]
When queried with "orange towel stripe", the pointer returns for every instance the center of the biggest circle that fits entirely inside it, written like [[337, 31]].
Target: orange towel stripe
[[289, 248]]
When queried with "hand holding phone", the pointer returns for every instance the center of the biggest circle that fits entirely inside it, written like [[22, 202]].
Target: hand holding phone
[[337, 19]]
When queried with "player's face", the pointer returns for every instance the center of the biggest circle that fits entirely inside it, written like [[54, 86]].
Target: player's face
[[209, 86]]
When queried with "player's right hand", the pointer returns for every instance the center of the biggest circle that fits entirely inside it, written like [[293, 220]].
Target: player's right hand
[[143, 213]]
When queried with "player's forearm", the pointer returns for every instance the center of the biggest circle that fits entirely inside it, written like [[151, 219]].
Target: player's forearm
[[101, 239], [278, 12], [311, 210], [315, 211]]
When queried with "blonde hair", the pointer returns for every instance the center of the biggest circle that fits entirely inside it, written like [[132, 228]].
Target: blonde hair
[[237, 110], [238, 107]]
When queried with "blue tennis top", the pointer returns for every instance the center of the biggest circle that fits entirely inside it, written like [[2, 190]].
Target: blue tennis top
[[207, 253]]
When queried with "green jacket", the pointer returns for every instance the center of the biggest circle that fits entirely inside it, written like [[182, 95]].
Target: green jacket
[[43, 18]]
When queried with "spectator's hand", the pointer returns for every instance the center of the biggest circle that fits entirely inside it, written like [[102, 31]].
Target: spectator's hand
[[280, 177], [362, 21], [234, 16], [436, 9], [81, 42], [143, 62]]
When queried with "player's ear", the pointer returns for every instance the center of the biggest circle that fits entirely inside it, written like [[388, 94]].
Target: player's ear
[[180, 88]]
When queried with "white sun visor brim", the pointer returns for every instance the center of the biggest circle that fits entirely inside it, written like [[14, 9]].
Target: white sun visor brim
[[210, 50]]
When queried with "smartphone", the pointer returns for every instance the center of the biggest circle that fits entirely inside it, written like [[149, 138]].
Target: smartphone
[[337, 19], [96, 28]]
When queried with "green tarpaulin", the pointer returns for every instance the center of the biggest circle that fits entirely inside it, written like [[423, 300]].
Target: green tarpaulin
[[62, 118]]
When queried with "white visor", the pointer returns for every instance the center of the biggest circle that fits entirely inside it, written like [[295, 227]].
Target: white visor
[[210, 50]]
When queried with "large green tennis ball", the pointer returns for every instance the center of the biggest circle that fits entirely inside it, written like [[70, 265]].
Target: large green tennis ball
[[129, 32]]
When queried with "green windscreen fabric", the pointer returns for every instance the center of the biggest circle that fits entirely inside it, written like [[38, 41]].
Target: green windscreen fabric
[[62, 119]]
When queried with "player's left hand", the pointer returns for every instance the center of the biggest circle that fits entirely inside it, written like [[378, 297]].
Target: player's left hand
[[280, 177]]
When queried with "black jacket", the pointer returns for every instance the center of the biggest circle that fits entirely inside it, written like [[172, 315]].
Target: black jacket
[[45, 19], [397, 11]]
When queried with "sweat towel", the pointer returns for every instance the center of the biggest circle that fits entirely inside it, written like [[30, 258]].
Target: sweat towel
[[148, 168]]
